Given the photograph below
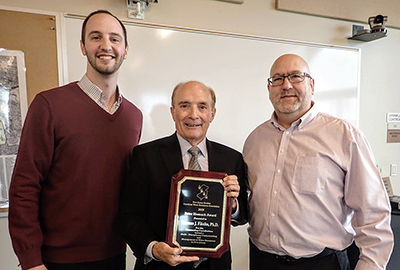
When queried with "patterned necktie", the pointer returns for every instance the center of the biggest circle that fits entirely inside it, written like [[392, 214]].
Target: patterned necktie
[[195, 165], [194, 161]]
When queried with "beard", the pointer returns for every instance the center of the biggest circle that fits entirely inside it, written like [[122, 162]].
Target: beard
[[105, 70], [300, 104], [285, 109]]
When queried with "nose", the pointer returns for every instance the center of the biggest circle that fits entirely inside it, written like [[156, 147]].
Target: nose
[[193, 114], [286, 83], [105, 45]]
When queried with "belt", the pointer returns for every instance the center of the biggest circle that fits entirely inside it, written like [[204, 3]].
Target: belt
[[289, 259]]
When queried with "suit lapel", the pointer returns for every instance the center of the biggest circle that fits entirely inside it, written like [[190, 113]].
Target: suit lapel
[[214, 160], [171, 155]]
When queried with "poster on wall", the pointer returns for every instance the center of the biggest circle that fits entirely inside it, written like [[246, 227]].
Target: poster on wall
[[13, 106]]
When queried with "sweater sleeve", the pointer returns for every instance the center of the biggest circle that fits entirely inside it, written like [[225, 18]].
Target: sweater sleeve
[[32, 165]]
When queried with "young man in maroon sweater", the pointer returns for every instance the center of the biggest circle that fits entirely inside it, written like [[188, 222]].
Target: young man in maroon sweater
[[74, 151]]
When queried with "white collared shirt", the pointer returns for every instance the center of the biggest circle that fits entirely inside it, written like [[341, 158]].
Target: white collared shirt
[[186, 156]]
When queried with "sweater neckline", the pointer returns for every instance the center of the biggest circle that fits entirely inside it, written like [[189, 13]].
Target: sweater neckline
[[93, 103]]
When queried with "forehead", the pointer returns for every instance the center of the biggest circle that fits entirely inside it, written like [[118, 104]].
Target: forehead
[[287, 64], [193, 93], [103, 22]]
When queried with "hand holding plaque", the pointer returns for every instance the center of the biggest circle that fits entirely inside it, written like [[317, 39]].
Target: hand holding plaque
[[199, 214]]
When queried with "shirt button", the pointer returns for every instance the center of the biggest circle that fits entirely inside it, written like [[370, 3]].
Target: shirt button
[[275, 192], [272, 215], [279, 170], [282, 151]]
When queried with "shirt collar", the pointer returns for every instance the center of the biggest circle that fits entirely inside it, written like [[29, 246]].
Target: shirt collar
[[308, 116], [94, 92], [185, 146], [301, 122]]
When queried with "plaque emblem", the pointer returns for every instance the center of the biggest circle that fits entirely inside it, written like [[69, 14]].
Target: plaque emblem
[[203, 194]]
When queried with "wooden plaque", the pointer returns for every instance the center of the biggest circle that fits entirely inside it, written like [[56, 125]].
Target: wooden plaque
[[199, 216]]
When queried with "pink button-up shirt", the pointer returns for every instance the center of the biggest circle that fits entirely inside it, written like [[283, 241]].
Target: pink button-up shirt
[[315, 185]]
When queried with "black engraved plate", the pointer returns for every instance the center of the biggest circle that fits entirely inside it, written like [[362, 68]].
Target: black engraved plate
[[199, 214]]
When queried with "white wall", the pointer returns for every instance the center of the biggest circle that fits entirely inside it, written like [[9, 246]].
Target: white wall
[[380, 72]]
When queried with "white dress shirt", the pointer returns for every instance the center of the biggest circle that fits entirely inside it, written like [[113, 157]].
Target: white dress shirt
[[315, 185], [186, 156]]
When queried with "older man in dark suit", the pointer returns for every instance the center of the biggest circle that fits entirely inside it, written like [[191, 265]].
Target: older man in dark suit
[[144, 205]]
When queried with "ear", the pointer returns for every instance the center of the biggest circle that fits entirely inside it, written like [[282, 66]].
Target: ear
[[213, 112], [83, 48], [312, 86], [172, 110], [126, 52]]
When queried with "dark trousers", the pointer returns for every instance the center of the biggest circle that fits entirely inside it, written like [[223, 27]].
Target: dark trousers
[[335, 260], [114, 263], [210, 264]]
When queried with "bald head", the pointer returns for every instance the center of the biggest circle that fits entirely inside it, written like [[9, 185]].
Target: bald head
[[291, 98], [190, 84], [291, 62]]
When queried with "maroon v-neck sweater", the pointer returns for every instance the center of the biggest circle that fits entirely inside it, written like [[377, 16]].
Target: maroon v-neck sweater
[[66, 184]]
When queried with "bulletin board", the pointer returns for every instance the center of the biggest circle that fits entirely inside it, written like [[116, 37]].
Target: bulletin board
[[35, 35], [28, 65]]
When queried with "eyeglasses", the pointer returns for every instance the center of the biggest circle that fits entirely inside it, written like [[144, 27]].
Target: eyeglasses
[[293, 78]]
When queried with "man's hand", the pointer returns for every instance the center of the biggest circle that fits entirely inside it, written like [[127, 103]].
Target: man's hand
[[40, 267], [164, 252], [232, 188]]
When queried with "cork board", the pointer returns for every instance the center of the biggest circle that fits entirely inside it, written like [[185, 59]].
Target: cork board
[[35, 34]]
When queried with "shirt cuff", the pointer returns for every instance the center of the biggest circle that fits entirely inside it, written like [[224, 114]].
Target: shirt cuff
[[236, 214], [148, 257]]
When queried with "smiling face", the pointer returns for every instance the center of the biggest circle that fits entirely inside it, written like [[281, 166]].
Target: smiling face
[[192, 110], [104, 44], [291, 100]]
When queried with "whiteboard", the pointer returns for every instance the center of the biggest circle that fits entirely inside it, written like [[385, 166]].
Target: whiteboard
[[235, 66]]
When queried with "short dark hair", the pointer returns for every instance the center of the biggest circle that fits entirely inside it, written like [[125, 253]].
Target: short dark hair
[[83, 32], [212, 92]]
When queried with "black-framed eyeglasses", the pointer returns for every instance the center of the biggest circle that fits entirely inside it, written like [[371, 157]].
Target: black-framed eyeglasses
[[293, 78]]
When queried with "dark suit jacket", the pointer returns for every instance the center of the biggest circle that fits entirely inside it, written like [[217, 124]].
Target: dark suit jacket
[[144, 204]]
